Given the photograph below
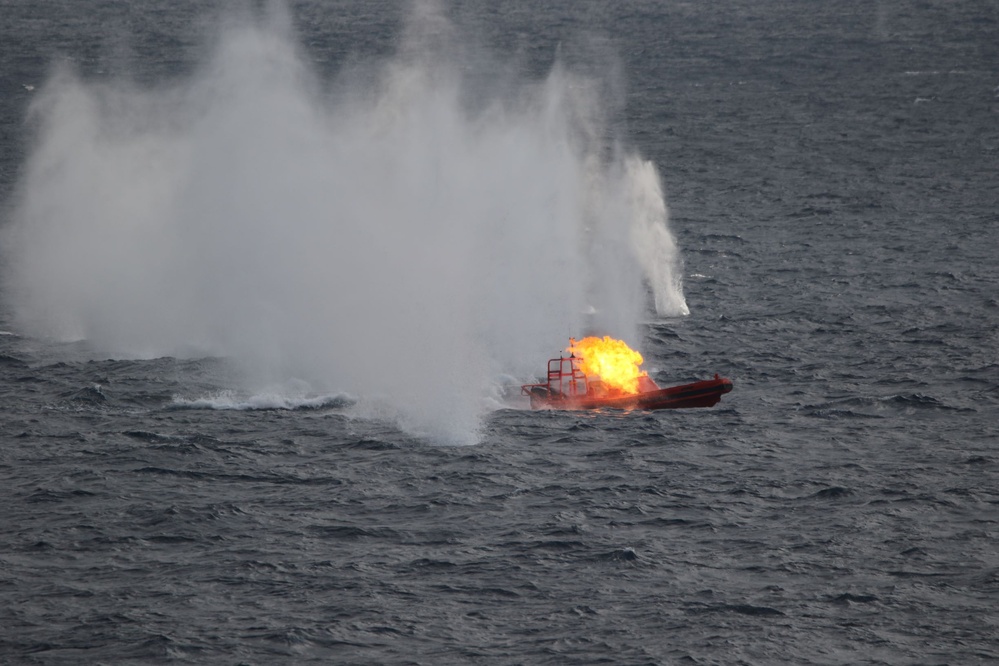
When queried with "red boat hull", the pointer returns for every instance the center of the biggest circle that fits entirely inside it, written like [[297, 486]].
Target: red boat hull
[[705, 393]]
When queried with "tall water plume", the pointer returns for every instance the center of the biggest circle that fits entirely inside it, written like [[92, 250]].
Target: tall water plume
[[405, 237]]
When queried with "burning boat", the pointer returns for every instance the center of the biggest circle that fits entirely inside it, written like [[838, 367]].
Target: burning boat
[[604, 373]]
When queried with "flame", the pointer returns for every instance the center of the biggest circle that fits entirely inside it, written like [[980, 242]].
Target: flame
[[612, 361]]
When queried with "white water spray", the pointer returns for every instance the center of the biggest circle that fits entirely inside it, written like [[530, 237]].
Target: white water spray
[[388, 239]]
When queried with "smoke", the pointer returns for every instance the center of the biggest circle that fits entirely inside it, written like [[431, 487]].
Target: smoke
[[405, 236]]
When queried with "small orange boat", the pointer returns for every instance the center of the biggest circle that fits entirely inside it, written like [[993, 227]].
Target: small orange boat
[[568, 387]]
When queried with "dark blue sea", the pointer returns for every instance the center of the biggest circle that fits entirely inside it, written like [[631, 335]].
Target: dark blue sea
[[272, 274]]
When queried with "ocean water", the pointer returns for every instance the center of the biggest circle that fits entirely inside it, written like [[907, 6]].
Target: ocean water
[[195, 468]]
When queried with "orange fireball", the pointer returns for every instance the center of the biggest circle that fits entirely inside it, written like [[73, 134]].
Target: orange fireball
[[611, 361]]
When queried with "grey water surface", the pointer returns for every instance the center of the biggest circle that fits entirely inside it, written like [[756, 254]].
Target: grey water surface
[[831, 173]]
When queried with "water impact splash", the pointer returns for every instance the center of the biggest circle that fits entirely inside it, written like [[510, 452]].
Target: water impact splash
[[405, 238]]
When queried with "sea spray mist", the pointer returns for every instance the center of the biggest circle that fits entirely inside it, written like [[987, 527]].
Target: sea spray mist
[[406, 237]]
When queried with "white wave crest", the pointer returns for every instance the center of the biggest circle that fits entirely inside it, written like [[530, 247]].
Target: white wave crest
[[231, 400]]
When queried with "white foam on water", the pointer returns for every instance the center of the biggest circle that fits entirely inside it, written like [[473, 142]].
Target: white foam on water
[[233, 400]]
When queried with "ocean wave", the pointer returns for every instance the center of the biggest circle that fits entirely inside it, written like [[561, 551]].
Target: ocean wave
[[229, 400]]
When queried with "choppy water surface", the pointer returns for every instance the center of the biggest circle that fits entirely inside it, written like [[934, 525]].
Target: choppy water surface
[[830, 174]]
